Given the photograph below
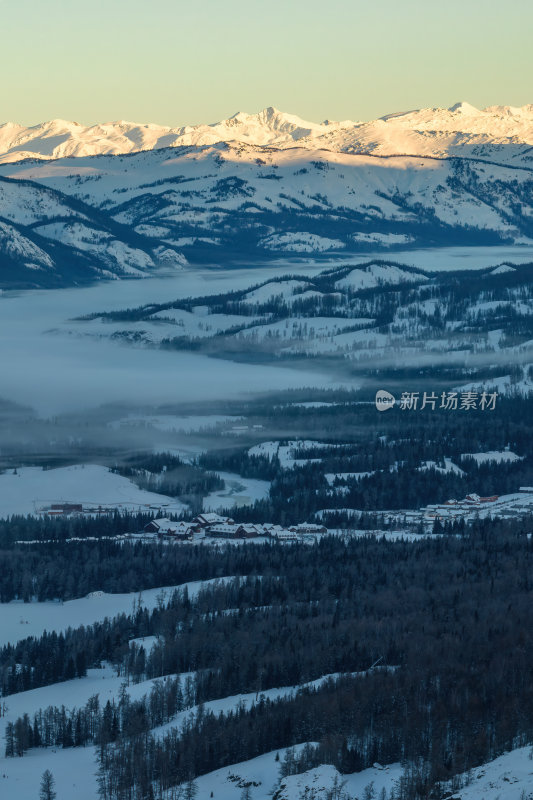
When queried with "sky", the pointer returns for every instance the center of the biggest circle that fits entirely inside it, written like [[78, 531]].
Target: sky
[[173, 62]]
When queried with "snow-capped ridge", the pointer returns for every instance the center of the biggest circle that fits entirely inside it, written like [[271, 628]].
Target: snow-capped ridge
[[432, 132]]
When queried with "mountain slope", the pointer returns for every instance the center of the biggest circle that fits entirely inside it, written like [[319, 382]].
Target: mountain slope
[[49, 239], [258, 187], [230, 201]]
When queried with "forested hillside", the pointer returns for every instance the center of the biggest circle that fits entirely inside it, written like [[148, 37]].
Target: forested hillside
[[446, 620]]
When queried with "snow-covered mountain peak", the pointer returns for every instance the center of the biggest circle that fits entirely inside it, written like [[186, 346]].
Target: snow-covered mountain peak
[[58, 125], [460, 129], [270, 127], [464, 108], [511, 111]]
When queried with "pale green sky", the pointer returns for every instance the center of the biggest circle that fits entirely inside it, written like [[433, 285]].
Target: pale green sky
[[175, 62]]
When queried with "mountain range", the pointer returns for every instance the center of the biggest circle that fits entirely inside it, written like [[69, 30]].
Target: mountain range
[[429, 132], [123, 199]]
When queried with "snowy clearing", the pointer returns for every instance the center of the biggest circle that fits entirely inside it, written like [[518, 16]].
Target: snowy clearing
[[31, 489], [495, 456], [20, 620]]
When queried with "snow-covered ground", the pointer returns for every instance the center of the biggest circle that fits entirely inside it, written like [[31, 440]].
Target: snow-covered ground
[[449, 466], [30, 489], [74, 772], [75, 694], [262, 774], [20, 620], [509, 777], [301, 328], [376, 275], [322, 779], [494, 456], [287, 452], [273, 289], [74, 769], [301, 243]]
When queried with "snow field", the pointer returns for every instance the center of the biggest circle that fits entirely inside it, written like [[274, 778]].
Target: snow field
[[20, 620], [32, 489]]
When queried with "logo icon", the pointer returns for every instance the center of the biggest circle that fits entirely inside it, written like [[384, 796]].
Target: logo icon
[[384, 400]]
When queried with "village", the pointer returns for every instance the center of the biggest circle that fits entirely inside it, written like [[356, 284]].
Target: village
[[212, 525], [471, 507], [474, 505]]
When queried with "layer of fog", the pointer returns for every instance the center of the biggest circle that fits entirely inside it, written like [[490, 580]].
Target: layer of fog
[[448, 259], [62, 373]]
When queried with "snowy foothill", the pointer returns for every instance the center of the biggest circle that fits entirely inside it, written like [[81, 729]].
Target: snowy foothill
[[303, 242], [324, 778], [273, 290], [48, 339], [74, 769], [302, 328], [376, 275], [509, 777], [246, 700]]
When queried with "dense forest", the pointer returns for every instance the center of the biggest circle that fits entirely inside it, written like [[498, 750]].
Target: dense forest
[[169, 475], [344, 456], [448, 618], [60, 570], [395, 461]]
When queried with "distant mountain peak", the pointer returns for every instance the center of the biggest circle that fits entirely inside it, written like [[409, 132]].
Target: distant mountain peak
[[425, 132], [464, 108]]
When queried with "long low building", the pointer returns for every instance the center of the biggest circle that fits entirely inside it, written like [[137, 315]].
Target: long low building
[[213, 525], [225, 530], [166, 527], [209, 519]]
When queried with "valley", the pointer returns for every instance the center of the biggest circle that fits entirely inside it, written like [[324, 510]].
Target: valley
[[196, 324]]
